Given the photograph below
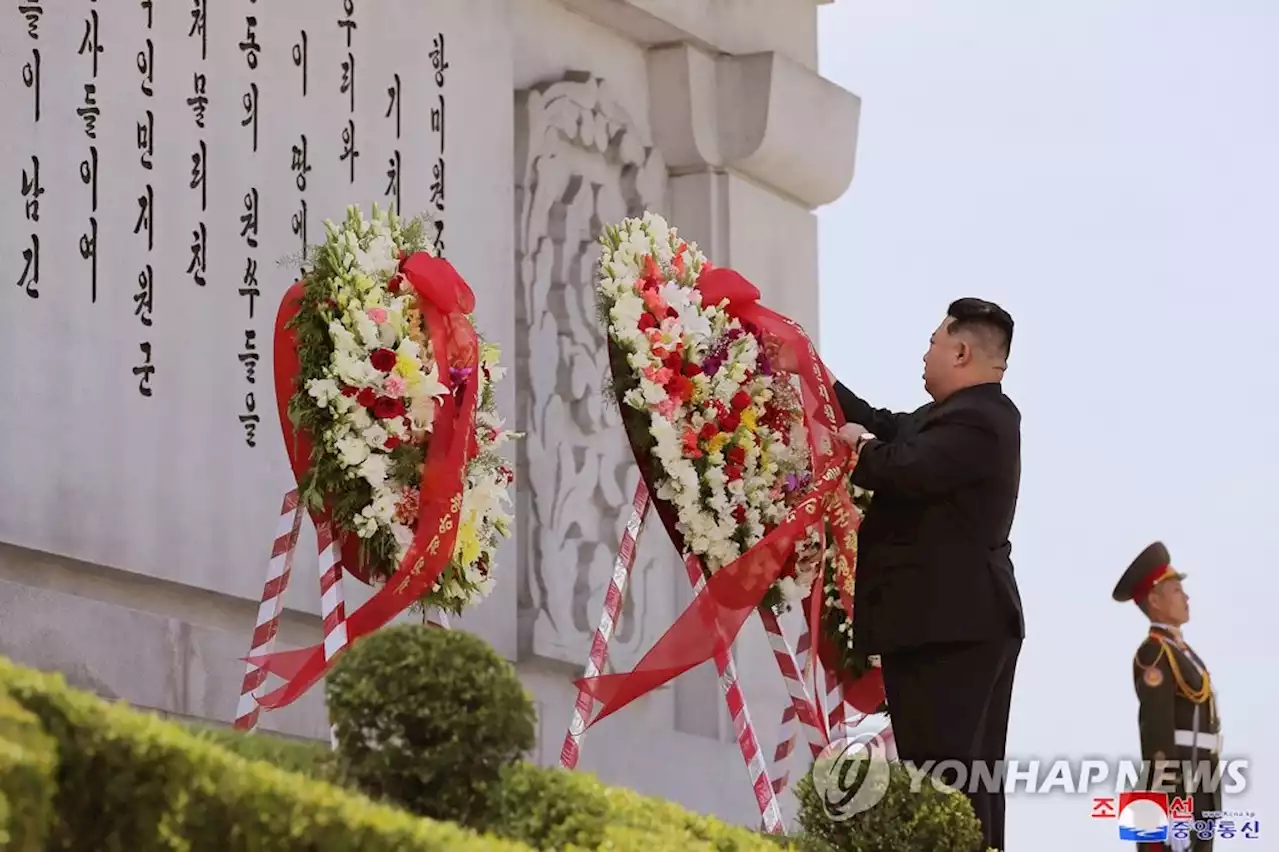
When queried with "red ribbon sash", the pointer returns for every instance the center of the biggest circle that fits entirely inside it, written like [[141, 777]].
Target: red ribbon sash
[[716, 616], [445, 300]]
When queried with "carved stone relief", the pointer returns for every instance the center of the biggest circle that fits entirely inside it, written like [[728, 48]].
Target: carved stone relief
[[580, 163]]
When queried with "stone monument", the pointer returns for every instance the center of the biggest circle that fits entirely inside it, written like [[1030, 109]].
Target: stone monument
[[168, 162]]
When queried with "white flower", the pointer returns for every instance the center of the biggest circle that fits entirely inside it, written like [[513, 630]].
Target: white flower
[[352, 450], [375, 436], [323, 391], [374, 469]]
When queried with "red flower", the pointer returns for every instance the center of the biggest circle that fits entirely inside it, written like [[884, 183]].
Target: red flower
[[647, 321], [691, 369], [367, 397], [736, 456], [392, 442], [740, 514], [383, 360], [729, 422], [719, 407], [672, 313], [651, 271], [385, 408], [680, 387], [708, 432], [348, 390], [394, 284], [740, 400], [733, 472]]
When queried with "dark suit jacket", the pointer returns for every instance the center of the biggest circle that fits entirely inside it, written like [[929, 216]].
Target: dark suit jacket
[[934, 559]]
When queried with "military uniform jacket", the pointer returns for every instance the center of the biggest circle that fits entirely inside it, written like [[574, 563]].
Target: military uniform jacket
[[1177, 711]]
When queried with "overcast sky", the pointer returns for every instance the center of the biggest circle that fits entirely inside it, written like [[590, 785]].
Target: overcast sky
[[1107, 171]]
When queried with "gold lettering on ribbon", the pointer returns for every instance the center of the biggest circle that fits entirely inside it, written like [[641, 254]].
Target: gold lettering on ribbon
[[414, 572]]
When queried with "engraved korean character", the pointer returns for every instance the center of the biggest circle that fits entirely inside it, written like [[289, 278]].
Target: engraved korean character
[[249, 219], [32, 189], [143, 299], [146, 67], [199, 254], [146, 216], [145, 370], [146, 139]]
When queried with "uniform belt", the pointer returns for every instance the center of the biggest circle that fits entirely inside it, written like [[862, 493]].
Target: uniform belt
[[1191, 739]]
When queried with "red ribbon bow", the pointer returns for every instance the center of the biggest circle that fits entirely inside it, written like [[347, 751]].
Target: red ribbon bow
[[716, 616], [445, 300]]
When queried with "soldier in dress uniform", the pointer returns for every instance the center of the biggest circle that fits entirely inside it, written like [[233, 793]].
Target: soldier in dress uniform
[[1177, 713]]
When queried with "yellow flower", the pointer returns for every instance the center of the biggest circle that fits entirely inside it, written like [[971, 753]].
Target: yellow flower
[[489, 354], [717, 442], [738, 372], [747, 441], [466, 549], [406, 366], [342, 300], [363, 282], [748, 418]]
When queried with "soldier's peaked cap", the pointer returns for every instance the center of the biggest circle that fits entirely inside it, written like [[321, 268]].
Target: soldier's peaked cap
[[1151, 567]]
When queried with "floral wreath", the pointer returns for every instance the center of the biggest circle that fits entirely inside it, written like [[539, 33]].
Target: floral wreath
[[720, 435], [366, 390]]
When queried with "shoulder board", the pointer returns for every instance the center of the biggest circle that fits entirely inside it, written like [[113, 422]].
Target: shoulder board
[[1150, 652]]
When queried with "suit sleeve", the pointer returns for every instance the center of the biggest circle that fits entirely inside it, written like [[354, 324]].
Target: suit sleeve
[[882, 422], [955, 449], [1155, 702]]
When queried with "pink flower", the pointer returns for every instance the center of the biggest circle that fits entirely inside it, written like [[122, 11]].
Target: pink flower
[[657, 375], [395, 386], [378, 315], [654, 302], [667, 408]]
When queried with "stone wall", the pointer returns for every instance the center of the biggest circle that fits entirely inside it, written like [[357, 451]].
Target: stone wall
[[709, 112]]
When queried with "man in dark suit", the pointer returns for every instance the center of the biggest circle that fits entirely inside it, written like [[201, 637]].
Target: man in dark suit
[[1177, 713], [935, 595]]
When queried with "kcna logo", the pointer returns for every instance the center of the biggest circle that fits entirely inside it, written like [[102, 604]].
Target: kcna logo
[[851, 775]]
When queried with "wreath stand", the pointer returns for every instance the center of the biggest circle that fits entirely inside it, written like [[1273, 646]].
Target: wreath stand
[[332, 604], [802, 710]]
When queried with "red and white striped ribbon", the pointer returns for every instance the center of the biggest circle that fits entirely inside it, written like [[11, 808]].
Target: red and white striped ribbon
[[268, 624], [585, 703], [801, 714], [332, 606], [333, 610], [748, 742]]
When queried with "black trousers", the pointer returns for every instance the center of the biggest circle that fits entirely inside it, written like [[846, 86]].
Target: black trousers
[[951, 702]]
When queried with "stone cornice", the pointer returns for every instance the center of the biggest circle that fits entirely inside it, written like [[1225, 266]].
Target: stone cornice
[[759, 114], [789, 27]]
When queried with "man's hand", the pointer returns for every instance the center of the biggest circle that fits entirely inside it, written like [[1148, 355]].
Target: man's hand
[[855, 435], [851, 433]]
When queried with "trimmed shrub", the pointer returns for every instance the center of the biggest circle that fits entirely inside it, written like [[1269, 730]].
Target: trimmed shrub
[[27, 761], [551, 808], [130, 782], [311, 758], [904, 820], [428, 719]]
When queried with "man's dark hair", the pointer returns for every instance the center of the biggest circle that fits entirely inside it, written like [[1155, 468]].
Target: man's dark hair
[[990, 321]]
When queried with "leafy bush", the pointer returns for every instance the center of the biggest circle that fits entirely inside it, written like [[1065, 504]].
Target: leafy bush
[[27, 760], [551, 808], [311, 758], [903, 821], [428, 719], [124, 781]]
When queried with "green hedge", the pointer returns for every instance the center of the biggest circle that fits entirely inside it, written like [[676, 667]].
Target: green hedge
[[27, 760], [551, 808], [125, 781]]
